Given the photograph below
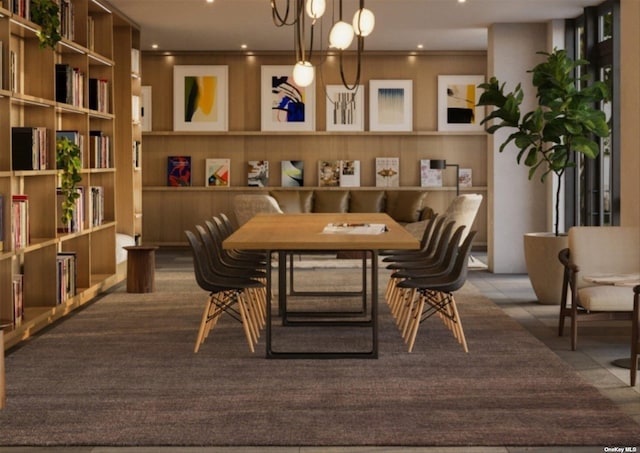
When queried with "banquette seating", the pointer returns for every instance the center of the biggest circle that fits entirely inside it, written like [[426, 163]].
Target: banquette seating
[[404, 206]]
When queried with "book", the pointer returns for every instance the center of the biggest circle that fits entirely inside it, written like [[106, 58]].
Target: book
[[349, 173], [465, 177], [292, 173], [20, 221], [328, 173], [258, 173], [95, 204], [429, 177], [137, 154], [179, 171], [387, 171], [18, 299], [145, 108], [99, 149], [217, 172], [14, 78]]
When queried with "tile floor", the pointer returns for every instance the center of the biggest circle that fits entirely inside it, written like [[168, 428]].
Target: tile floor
[[599, 344]]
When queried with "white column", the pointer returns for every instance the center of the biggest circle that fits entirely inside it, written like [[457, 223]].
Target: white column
[[516, 205]]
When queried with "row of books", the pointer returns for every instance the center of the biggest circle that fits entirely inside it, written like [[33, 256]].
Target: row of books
[[66, 288], [66, 276], [30, 147], [67, 19], [331, 173], [99, 95], [93, 199], [69, 85]]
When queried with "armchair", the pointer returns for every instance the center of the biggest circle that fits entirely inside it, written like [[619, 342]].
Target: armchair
[[593, 254]]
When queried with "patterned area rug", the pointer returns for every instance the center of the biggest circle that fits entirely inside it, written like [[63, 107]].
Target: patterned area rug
[[122, 372]]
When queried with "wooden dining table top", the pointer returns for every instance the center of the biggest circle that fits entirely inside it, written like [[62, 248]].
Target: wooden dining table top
[[305, 232]]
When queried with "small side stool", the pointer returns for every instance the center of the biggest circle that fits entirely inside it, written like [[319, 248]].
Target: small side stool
[[141, 263]]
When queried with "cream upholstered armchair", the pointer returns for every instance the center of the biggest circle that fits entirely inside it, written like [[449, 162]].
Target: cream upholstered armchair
[[245, 206], [600, 266]]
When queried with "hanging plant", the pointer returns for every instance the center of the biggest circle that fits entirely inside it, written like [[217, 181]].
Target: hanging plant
[[46, 13], [68, 160]]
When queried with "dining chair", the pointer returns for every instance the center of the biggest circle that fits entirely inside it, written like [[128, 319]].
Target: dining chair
[[225, 294], [431, 268], [223, 265], [429, 295]]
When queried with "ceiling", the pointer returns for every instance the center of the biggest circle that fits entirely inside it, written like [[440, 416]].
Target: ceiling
[[401, 25]]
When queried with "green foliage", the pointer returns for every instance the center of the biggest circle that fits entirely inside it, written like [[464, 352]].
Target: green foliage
[[46, 14], [565, 121], [68, 159]]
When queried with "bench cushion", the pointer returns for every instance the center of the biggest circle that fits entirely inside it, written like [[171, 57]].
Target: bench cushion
[[367, 201], [606, 298], [293, 201], [405, 205], [331, 201]]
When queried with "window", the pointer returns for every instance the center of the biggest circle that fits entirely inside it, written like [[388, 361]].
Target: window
[[592, 191]]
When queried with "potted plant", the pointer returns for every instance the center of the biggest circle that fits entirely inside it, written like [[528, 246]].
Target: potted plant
[[566, 121], [68, 160], [46, 14]]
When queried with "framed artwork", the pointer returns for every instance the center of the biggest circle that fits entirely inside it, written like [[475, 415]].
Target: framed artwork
[[391, 105], [284, 105], [345, 108], [200, 98], [457, 103]]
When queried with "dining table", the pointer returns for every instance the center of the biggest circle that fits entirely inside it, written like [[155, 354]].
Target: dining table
[[282, 235]]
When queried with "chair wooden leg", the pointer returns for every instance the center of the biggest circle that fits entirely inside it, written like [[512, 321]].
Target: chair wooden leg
[[208, 321], [246, 322], [415, 322], [457, 322]]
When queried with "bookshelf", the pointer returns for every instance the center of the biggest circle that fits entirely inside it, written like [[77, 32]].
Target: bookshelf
[[31, 96]]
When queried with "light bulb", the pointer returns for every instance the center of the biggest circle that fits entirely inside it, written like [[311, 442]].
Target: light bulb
[[303, 73], [315, 8], [341, 35], [363, 22]]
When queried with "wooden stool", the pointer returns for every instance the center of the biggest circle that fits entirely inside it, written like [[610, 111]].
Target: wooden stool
[[141, 262]]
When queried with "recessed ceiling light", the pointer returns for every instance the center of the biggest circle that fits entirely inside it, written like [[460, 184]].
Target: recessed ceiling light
[[209, 1], [243, 46], [154, 46], [420, 46]]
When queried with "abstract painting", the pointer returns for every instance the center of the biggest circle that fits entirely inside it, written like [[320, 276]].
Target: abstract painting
[[391, 105], [285, 105], [345, 108], [457, 103], [200, 99]]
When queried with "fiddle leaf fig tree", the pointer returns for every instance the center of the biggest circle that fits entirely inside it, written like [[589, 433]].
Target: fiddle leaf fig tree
[[46, 14], [68, 160], [566, 120]]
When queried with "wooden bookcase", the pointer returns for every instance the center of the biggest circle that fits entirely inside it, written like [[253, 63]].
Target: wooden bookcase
[[28, 98], [171, 210]]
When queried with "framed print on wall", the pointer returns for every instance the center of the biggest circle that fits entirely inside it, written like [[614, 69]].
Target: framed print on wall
[[391, 105], [345, 108], [457, 103], [200, 98], [284, 105]]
